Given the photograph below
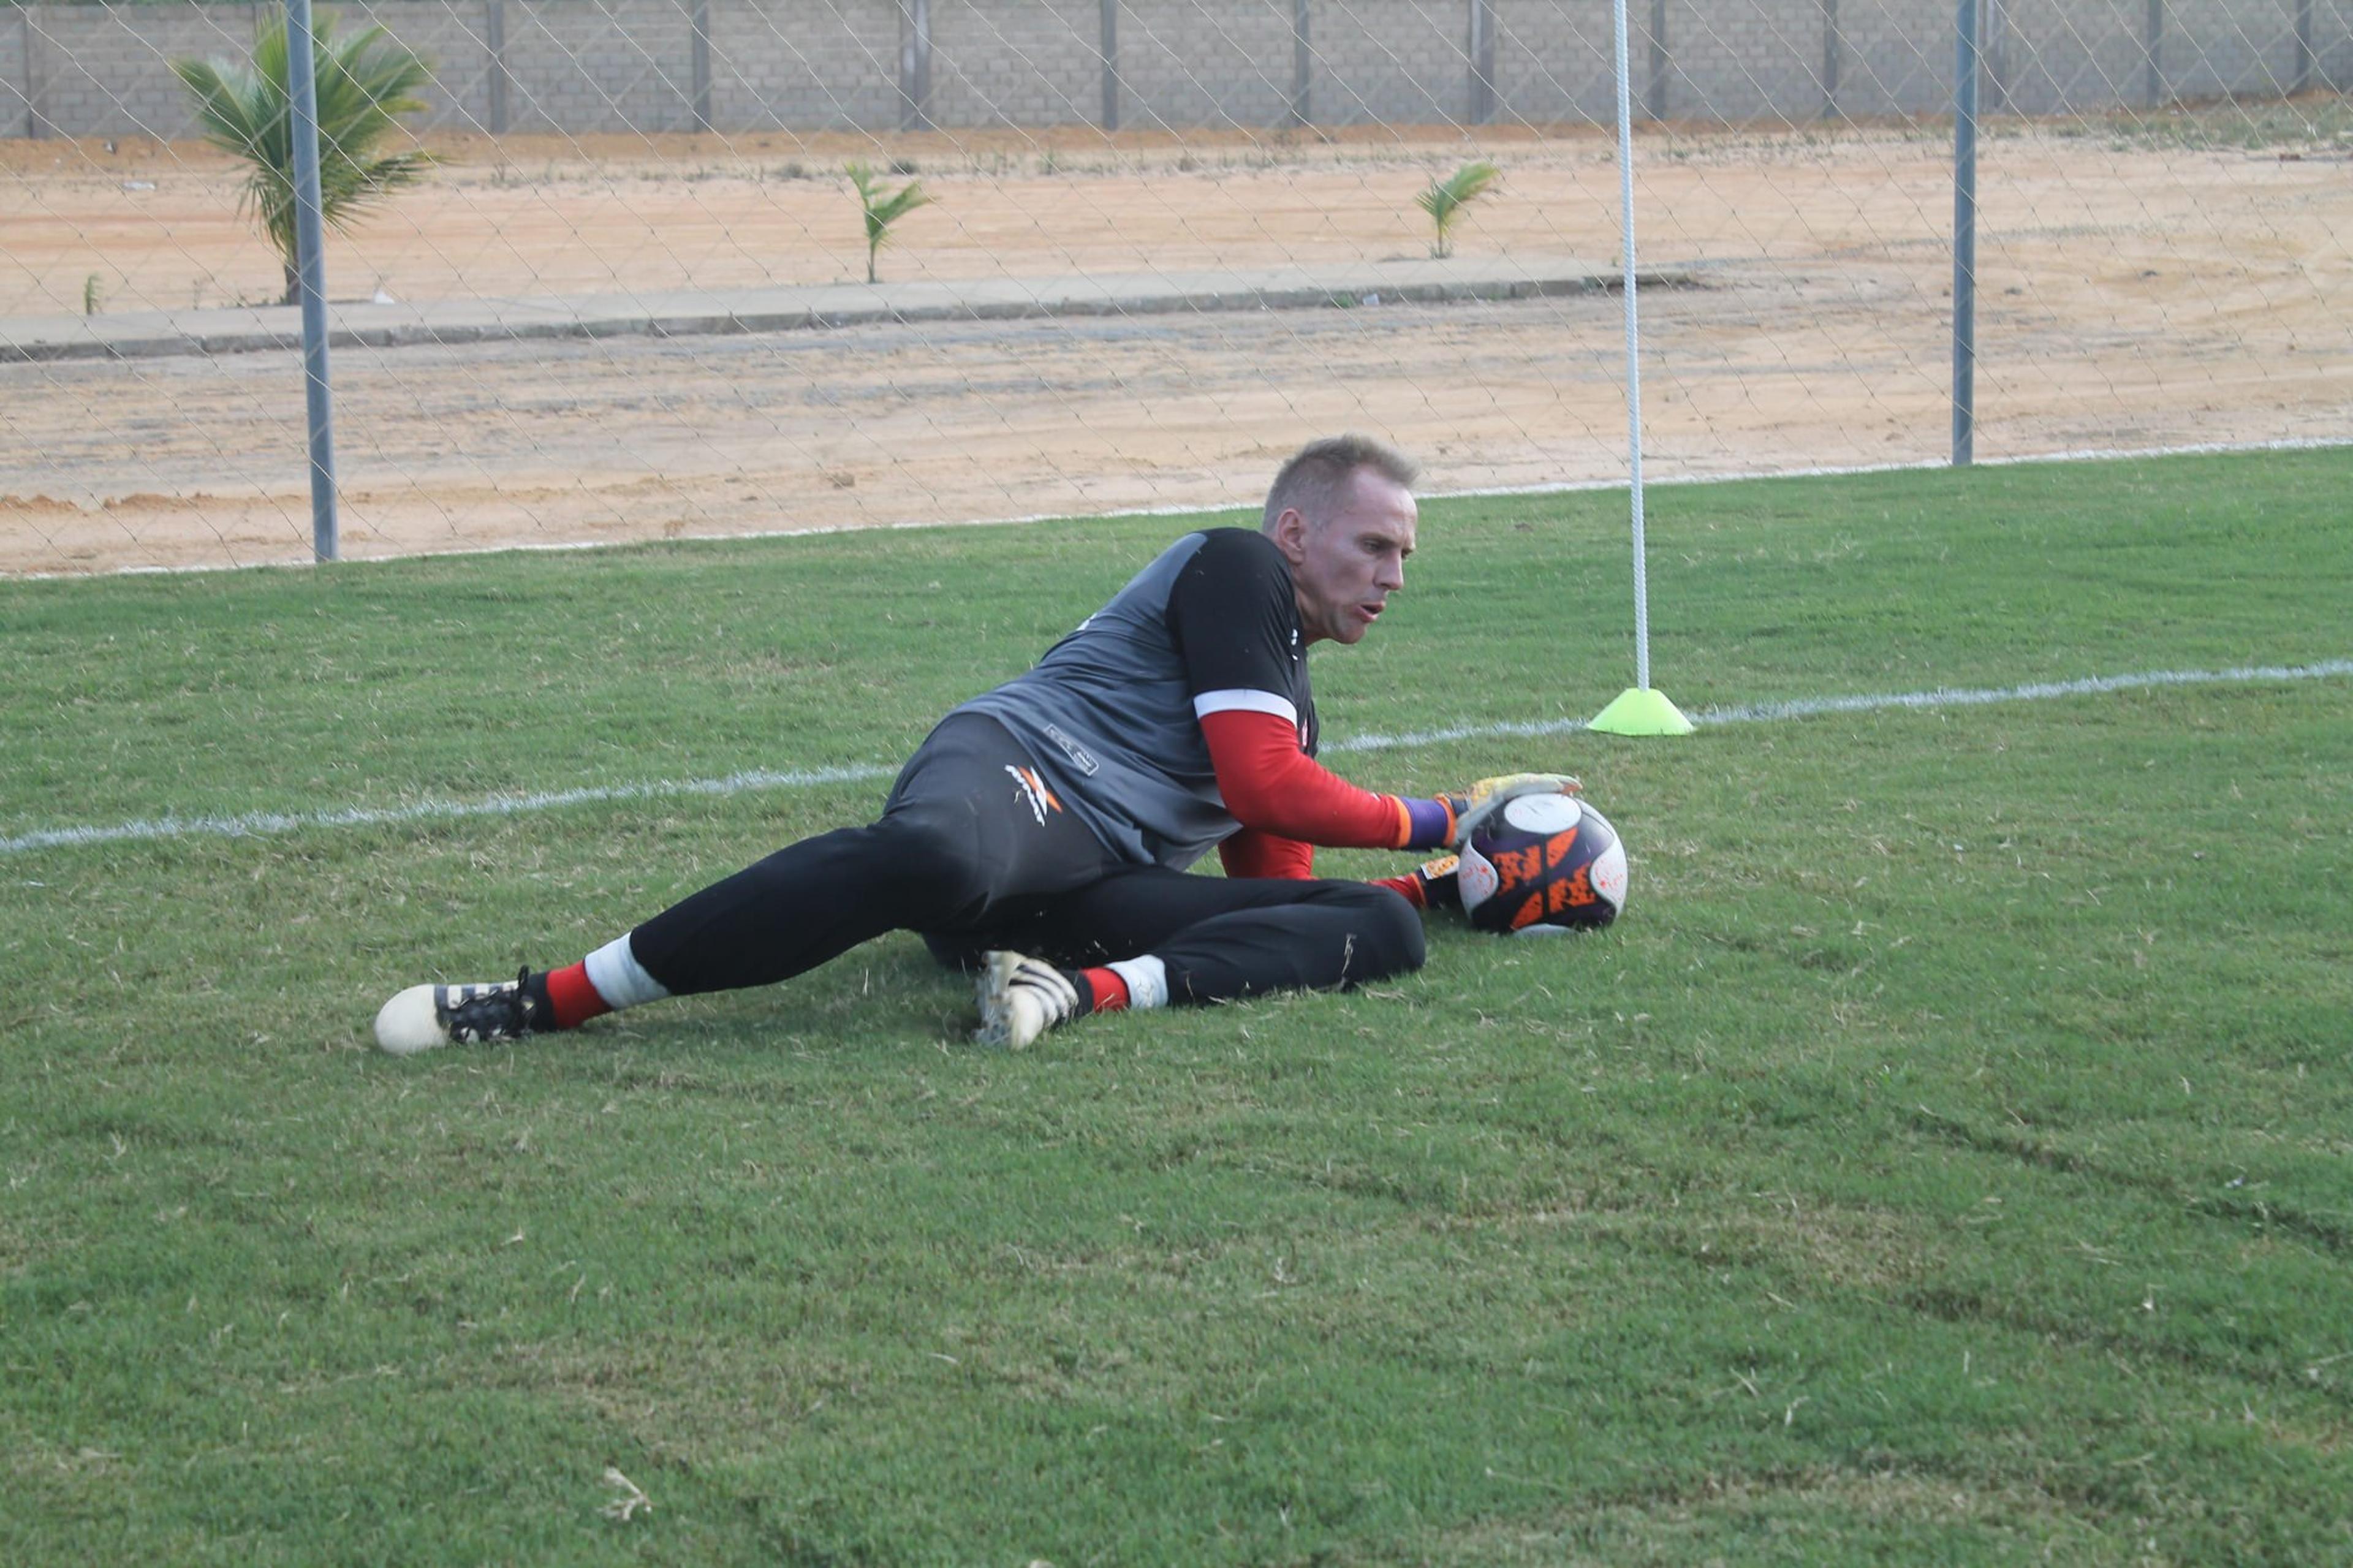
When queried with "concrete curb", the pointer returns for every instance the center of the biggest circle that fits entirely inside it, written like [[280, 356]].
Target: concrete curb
[[695, 313]]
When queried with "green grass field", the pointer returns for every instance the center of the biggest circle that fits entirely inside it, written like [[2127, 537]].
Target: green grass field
[[1948, 1159]]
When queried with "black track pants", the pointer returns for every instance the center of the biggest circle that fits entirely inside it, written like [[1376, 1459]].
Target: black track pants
[[973, 851]]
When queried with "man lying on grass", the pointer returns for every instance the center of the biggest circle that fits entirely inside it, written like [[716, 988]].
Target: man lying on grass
[[1040, 833]]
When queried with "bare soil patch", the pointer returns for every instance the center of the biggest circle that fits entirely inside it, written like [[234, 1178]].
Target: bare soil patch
[[2130, 296]]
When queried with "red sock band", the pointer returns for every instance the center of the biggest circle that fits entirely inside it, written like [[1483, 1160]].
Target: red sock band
[[574, 997], [1110, 992]]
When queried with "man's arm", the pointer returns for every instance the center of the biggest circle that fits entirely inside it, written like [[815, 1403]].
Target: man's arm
[[1269, 784]]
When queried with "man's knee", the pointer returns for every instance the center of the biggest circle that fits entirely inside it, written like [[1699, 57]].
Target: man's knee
[[1389, 933], [932, 855]]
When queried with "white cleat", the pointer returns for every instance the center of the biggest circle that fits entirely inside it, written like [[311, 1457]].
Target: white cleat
[[425, 1017], [1021, 999]]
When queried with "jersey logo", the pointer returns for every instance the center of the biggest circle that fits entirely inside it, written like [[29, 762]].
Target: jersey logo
[[1080, 758], [1033, 793]]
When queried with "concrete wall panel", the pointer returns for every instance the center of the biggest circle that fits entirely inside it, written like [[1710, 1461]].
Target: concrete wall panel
[[575, 65], [1189, 64]]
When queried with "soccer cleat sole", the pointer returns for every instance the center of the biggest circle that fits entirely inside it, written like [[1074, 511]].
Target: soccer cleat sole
[[1012, 1012]]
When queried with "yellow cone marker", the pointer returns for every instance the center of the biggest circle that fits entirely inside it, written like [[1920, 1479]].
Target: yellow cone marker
[[1641, 710]]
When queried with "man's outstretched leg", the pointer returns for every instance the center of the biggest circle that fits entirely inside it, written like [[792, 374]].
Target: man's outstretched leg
[[967, 829], [1149, 938]]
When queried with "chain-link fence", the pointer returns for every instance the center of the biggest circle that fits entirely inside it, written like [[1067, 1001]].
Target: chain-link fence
[[1170, 240]]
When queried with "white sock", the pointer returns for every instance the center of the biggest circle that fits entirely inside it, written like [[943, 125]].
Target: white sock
[[1147, 980], [620, 978]]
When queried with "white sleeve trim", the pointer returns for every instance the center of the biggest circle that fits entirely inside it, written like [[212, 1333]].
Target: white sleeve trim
[[1242, 700]]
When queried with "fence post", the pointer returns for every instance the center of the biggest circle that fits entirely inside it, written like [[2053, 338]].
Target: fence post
[[310, 274], [36, 127], [915, 65], [1302, 61], [1993, 54], [1965, 233], [699, 19], [495, 38], [2302, 80], [1107, 44], [1832, 47], [1654, 94], [2153, 45], [1481, 54]]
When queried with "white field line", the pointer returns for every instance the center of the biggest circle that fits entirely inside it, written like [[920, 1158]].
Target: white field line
[[252, 824]]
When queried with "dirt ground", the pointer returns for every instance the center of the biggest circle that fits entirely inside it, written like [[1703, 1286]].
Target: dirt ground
[[2133, 293]]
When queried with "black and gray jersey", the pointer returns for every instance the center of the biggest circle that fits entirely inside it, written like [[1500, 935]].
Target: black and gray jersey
[[1111, 713]]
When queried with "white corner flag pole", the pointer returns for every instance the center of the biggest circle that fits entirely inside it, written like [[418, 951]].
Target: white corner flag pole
[[1640, 710]]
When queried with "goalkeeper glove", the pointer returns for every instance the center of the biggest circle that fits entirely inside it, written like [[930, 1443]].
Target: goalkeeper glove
[[1440, 887], [1473, 807]]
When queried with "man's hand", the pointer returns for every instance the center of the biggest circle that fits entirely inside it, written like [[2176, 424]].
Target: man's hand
[[1473, 807]]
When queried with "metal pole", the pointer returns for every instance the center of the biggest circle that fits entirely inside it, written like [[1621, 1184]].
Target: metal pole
[[35, 126], [494, 39], [1482, 62], [699, 63], [1634, 341], [1993, 55], [1964, 235], [1654, 99], [915, 65], [1302, 62], [310, 244], [1832, 47], [1108, 46]]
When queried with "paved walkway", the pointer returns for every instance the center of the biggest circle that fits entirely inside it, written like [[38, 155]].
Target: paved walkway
[[142, 334]]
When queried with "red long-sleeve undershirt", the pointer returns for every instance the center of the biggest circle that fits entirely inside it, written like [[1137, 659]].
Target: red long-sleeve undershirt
[[1287, 803], [1253, 853], [1269, 783]]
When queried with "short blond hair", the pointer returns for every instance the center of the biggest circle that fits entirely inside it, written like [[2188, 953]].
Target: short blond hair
[[1312, 481]]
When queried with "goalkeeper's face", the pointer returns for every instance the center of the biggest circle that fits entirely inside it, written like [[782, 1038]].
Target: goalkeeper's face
[[1344, 565]]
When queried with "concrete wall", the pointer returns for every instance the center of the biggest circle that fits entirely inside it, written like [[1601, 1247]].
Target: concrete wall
[[2332, 44], [1744, 59], [1193, 63], [16, 112], [1016, 62], [100, 71], [790, 65], [1553, 60], [1390, 61], [1897, 58], [630, 65], [2089, 54], [633, 70], [452, 33]]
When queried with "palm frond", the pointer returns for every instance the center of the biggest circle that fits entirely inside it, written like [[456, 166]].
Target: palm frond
[[905, 200], [364, 84], [1445, 199], [883, 207]]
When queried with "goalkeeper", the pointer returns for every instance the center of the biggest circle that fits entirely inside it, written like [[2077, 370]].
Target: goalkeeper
[[1039, 836]]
